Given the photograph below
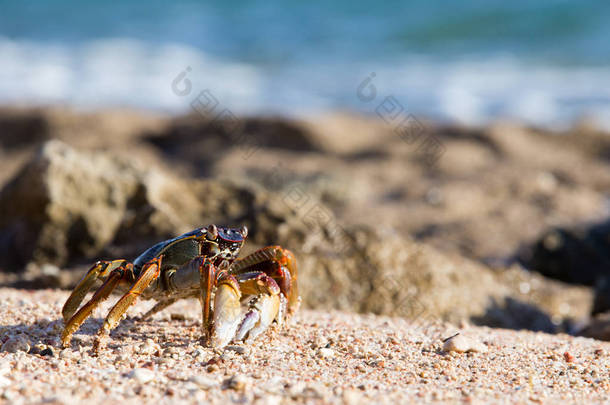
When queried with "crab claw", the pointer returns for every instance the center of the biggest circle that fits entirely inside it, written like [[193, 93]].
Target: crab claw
[[227, 311], [263, 310], [250, 320]]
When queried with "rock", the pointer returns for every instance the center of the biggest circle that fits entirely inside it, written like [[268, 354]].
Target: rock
[[200, 141], [177, 316], [354, 397], [142, 375], [36, 349], [66, 203], [597, 328], [203, 382], [22, 128], [48, 352], [237, 382], [462, 344], [66, 354], [149, 348], [326, 352], [575, 255], [400, 277], [5, 382], [5, 366], [236, 349], [16, 344]]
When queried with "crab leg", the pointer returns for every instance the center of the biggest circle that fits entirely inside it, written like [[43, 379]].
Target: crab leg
[[100, 295], [99, 270], [149, 273], [207, 273]]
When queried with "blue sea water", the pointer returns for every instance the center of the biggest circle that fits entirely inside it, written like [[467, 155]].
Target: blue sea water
[[545, 62]]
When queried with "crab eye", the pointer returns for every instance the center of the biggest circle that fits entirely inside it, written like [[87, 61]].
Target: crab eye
[[244, 231], [212, 232]]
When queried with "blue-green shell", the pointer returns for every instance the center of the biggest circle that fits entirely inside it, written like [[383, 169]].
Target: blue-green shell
[[176, 252]]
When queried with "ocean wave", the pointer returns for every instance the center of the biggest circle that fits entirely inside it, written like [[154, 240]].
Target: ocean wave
[[472, 90]]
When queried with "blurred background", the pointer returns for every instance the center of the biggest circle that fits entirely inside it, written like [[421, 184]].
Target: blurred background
[[421, 160], [545, 63]]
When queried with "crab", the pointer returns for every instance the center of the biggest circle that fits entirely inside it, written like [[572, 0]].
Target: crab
[[240, 298]]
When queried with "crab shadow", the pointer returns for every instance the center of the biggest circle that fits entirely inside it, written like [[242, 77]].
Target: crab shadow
[[131, 330]]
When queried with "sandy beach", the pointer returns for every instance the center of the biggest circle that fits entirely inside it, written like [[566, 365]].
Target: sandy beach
[[323, 357]]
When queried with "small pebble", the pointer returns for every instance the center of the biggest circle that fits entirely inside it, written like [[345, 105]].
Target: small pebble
[[5, 368], [36, 349], [353, 397], [326, 352], [48, 352], [236, 349], [568, 357], [203, 382], [16, 344], [66, 354], [236, 382], [320, 341], [149, 348], [142, 375], [462, 344], [4, 382]]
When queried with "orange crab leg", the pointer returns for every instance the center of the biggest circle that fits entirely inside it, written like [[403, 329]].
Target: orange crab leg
[[100, 295], [149, 273], [99, 270], [207, 273]]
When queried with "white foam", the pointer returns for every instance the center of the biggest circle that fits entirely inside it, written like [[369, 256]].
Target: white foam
[[474, 90]]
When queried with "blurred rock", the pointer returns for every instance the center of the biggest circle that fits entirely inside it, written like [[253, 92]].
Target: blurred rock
[[372, 270], [199, 141], [601, 302], [22, 127], [65, 203], [598, 328], [578, 255]]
